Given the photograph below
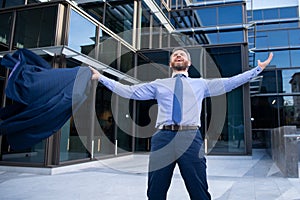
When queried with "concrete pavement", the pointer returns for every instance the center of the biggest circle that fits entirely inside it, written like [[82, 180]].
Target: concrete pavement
[[125, 178]]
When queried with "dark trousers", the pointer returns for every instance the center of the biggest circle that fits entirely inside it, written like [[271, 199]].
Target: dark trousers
[[184, 148]]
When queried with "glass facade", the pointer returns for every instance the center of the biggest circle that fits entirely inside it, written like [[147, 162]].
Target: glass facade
[[133, 40], [35, 28], [82, 34], [5, 30], [274, 99]]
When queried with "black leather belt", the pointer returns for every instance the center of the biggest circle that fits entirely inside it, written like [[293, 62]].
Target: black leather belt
[[177, 127]]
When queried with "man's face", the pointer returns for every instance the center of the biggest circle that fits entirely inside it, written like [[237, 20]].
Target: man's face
[[179, 61]]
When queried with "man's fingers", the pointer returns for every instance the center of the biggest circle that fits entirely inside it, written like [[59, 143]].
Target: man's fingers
[[270, 57]]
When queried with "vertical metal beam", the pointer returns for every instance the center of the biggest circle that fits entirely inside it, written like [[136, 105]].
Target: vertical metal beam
[[246, 105]]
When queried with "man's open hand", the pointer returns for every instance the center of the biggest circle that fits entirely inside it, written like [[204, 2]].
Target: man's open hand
[[95, 74], [265, 63]]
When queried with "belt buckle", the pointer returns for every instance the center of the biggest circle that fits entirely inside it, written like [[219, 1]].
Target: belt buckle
[[175, 127]]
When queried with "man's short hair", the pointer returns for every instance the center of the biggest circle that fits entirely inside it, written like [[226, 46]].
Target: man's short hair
[[182, 49]]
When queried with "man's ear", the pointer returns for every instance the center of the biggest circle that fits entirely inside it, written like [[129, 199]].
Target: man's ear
[[190, 63]]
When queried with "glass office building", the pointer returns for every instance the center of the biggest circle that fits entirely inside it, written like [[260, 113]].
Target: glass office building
[[130, 41], [275, 94]]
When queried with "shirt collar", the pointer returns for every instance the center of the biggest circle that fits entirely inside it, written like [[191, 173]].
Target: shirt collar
[[184, 73]]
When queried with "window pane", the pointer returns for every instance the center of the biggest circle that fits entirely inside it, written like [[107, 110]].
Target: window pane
[[11, 3], [281, 59], [288, 12], [105, 141], [95, 11], [230, 37], [126, 60], [228, 60], [289, 25], [212, 38], [257, 15], [207, 16], [72, 144], [262, 40], [119, 19], [206, 38], [290, 112], [5, 30], [295, 55], [108, 50], [268, 82], [294, 36], [35, 154], [82, 34], [35, 28], [278, 38], [288, 81], [183, 19], [230, 15], [269, 26], [264, 112], [270, 14]]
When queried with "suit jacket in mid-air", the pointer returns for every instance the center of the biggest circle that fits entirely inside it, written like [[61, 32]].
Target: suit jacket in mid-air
[[43, 97]]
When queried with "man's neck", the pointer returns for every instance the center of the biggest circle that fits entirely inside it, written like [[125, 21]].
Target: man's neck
[[180, 72]]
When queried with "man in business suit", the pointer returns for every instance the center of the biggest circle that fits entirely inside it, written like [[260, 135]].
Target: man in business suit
[[178, 139]]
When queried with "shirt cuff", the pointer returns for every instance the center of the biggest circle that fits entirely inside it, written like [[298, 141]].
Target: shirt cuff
[[258, 70]]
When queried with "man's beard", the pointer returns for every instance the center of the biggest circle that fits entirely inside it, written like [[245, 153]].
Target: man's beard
[[179, 68]]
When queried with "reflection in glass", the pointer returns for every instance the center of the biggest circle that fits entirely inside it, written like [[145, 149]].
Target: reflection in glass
[[82, 34], [32, 33], [295, 55], [119, 19], [11, 3], [124, 124], [231, 140], [264, 111], [289, 25], [271, 14], [108, 50], [72, 146], [207, 16], [268, 84], [289, 12], [34, 155], [257, 15], [294, 37], [290, 111], [231, 37], [127, 61], [281, 59], [96, 11], [105, 139], [212, 38], [183, 19], [275, 38], [287, 80], [5, 29], [262, 40], [235, 16]]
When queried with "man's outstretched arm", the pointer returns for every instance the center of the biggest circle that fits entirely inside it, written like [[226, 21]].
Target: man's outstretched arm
[[220, 86], [142, 91]]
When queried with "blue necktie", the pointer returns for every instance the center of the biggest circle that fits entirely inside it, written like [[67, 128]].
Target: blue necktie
[[177, 99]]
